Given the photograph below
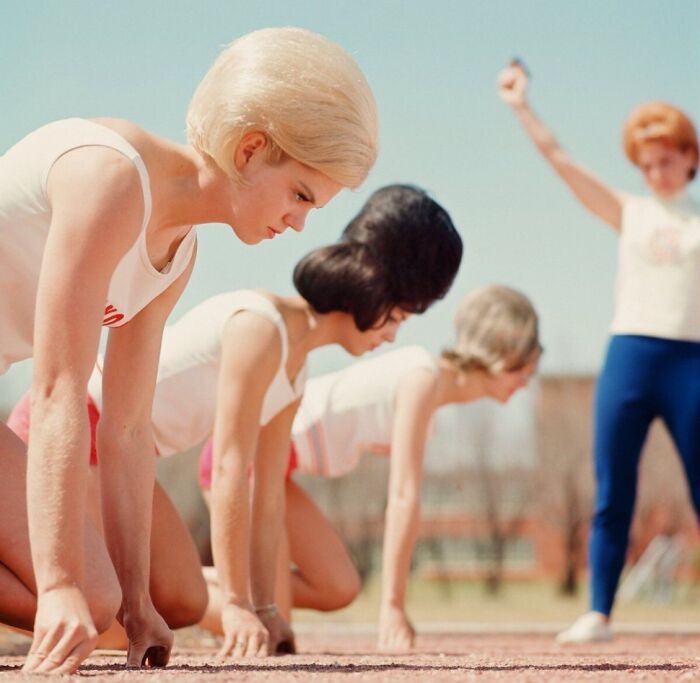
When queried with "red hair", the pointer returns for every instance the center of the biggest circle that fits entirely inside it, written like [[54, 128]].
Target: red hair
[[659, 122]]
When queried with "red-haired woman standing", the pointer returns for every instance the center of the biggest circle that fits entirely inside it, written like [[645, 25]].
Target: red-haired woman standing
[[652, 368]]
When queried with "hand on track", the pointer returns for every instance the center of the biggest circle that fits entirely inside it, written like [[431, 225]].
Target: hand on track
[[150, 639], [396, 633], [64, 633], [281, 634], [244, 634]]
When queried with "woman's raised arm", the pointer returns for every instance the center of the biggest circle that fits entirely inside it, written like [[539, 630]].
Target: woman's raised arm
[[595, 195]]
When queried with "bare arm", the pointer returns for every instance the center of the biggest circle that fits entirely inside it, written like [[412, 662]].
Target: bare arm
[[251, 350], [271, 462], [268, 502], [97, 208], [416, 401], [127, 468], [590, 191]]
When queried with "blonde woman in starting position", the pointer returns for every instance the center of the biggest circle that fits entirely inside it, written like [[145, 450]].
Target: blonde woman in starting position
[[96, 229], [386, 405]]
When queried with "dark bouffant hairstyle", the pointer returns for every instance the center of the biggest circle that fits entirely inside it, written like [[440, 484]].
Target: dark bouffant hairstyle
[[401, 250]]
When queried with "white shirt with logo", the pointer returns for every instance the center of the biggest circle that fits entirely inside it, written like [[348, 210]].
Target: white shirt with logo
[[25, 220], [658, 278]]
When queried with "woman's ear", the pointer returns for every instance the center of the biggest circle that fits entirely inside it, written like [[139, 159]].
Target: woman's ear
[[250, 145]]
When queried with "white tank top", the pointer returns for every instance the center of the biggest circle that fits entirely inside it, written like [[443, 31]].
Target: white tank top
[[658, 278], [344, 412], [184, 405], [25, 218]]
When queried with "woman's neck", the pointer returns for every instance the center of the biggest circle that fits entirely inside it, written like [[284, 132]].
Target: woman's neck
[[197, 191], [323, 329], [186, 188], [459, 387], [307, 329], [677, 199]]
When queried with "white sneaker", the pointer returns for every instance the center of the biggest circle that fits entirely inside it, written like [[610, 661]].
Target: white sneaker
[[591, 627]]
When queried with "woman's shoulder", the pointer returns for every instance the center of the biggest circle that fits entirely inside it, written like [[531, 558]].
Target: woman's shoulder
[[638, 207], [158, 153], [629, 198], [256, 310], [416, 356], [139, 138], [215, 313], [635, 207], [396, 363], [243, 299], [44, 147]]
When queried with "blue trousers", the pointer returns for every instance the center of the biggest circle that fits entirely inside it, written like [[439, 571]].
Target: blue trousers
[[643, 378]]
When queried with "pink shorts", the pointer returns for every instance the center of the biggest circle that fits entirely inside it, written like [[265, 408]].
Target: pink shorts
[[206, 458], [20, 419]]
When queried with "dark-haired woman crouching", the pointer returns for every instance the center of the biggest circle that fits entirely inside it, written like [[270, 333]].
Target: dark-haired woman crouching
[[235, 366]]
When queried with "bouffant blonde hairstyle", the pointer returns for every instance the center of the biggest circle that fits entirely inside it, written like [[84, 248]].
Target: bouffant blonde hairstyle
[[659, 122], [303, 91], [497, 331]]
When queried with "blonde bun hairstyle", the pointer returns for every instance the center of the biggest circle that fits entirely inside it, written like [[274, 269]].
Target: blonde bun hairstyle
[[497, 331]]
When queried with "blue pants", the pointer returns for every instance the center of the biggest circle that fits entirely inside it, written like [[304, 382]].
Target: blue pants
[[643, 378]]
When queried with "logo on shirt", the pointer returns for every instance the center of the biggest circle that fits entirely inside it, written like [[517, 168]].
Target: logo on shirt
[[112, 315], [665, 246]]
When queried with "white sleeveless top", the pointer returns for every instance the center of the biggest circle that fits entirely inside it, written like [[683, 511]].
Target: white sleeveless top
[[25, 218], [658, 278], [184, 405], [344, 412]]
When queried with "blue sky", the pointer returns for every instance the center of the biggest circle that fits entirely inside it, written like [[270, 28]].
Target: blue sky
[[433, 67]]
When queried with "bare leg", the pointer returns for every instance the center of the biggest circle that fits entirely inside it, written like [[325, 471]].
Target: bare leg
[[177, 587], [211, 621], [17, 586], [325, 577], [23, 601]]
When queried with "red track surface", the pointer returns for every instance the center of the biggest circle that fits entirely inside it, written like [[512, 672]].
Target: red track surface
[[515, 658]]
